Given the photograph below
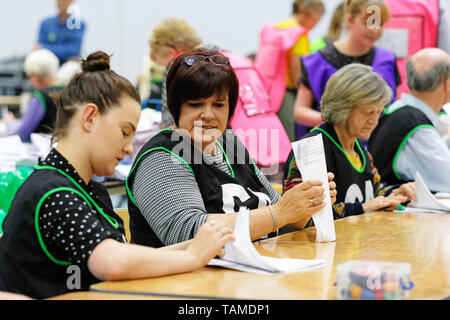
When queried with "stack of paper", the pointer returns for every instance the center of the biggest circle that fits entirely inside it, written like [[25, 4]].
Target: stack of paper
[[11, 150], [310, 158], [242, 255], [426, 201]]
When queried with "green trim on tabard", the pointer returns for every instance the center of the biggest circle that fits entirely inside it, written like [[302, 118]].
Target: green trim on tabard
[[393, 107], [111, 220], [41, 98], [139, 159], [403, 144], [340, 148], [36, 221], [226, 158]]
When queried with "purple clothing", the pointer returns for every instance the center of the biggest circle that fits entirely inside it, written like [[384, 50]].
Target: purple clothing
[[319, 71], [29, 121]]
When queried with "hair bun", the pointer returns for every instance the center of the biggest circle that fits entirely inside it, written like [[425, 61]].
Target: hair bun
[[97, 61]]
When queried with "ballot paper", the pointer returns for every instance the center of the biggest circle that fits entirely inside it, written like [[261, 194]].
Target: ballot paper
[[426, 200], [242, 255], [310, 158], [11, 150]]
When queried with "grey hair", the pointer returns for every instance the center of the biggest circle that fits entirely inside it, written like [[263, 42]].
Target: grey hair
[[42, 62], [428, 80], [353, 85]]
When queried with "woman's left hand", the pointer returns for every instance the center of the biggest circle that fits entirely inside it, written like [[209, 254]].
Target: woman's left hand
[[407, 190], [332, 186]]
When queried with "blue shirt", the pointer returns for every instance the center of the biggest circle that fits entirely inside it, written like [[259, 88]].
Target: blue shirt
[[425, 151], [62, 38]]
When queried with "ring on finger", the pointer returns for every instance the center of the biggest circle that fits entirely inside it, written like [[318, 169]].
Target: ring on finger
[[312, 202]]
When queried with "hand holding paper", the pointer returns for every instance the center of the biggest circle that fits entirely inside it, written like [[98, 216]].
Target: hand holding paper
[[242, 255], [426, 200], [310, 158]]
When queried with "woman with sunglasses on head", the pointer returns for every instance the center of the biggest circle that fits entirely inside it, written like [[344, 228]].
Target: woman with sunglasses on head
[[186, 177], [61, 219]]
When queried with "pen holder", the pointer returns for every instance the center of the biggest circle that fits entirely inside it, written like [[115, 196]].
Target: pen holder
[[373, 280]]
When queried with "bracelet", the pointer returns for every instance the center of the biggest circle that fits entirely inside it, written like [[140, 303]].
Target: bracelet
[[273, 219]]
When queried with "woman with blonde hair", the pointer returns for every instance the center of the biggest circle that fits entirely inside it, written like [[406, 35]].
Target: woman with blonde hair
[[364, 20], [353, 99]]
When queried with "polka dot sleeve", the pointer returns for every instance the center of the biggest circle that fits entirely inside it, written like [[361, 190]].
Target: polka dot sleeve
[[70, 229]]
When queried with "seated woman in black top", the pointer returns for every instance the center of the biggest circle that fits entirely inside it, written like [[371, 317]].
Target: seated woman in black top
[[352, 101], [61, 219], [184, 178]]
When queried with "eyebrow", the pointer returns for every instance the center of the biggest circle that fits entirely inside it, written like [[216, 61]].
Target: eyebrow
[[130, 124]]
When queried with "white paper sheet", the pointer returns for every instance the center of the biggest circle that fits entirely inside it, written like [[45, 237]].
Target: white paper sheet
[[242, 255], [11, 150], [426, 200], [310, 157]]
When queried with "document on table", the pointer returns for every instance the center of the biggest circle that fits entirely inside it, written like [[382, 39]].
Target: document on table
[[11, 150], [242, 255], [426, 200], [310, 157]]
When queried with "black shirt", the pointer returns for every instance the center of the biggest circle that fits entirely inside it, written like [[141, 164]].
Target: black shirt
[[55, 221], [69, 227]]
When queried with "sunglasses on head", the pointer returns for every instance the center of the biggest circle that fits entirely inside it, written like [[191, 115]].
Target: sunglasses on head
[[217, 60]]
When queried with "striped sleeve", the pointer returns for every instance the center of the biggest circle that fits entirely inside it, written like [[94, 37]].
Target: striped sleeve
[[167, 195]]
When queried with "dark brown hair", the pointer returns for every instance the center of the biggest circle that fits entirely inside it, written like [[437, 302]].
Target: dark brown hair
[[96, 84], [202, 80]]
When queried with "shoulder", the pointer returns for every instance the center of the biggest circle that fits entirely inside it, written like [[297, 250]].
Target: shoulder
[[49, 21]]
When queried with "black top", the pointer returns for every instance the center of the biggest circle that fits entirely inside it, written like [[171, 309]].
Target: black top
[[47, 123], [221, 192], [55, 221], [395, 126]]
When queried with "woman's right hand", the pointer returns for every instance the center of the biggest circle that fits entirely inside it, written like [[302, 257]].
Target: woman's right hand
[[382, 202], [209, 241], [300, 202]]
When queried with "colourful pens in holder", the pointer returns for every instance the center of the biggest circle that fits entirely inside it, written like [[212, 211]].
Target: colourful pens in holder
[[373, 280]]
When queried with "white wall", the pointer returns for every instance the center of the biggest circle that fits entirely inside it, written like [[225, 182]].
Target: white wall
[[123, 27]]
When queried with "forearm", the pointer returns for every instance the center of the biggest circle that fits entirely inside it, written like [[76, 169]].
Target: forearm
[[112, 260], [307, 116], [260, 220]]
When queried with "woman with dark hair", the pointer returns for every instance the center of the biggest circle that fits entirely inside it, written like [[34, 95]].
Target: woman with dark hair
[[61, 233], [186, 177]]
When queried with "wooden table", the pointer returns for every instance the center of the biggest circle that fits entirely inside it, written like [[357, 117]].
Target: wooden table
[[92, 295], [421, 239], [9, 100]]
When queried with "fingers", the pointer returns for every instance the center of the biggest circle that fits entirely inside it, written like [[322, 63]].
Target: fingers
[[222, 229], [408, 190], [308, 185], [330, 176]]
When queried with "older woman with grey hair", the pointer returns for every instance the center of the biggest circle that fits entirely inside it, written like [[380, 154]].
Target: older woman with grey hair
[[41, 67], [353, 99]]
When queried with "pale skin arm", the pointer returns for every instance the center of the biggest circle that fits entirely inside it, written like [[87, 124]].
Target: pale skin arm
[[303, 112], [112, 260], [294, 207]]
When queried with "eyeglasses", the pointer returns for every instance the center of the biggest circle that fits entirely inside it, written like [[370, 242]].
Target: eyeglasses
[[217, 60]]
